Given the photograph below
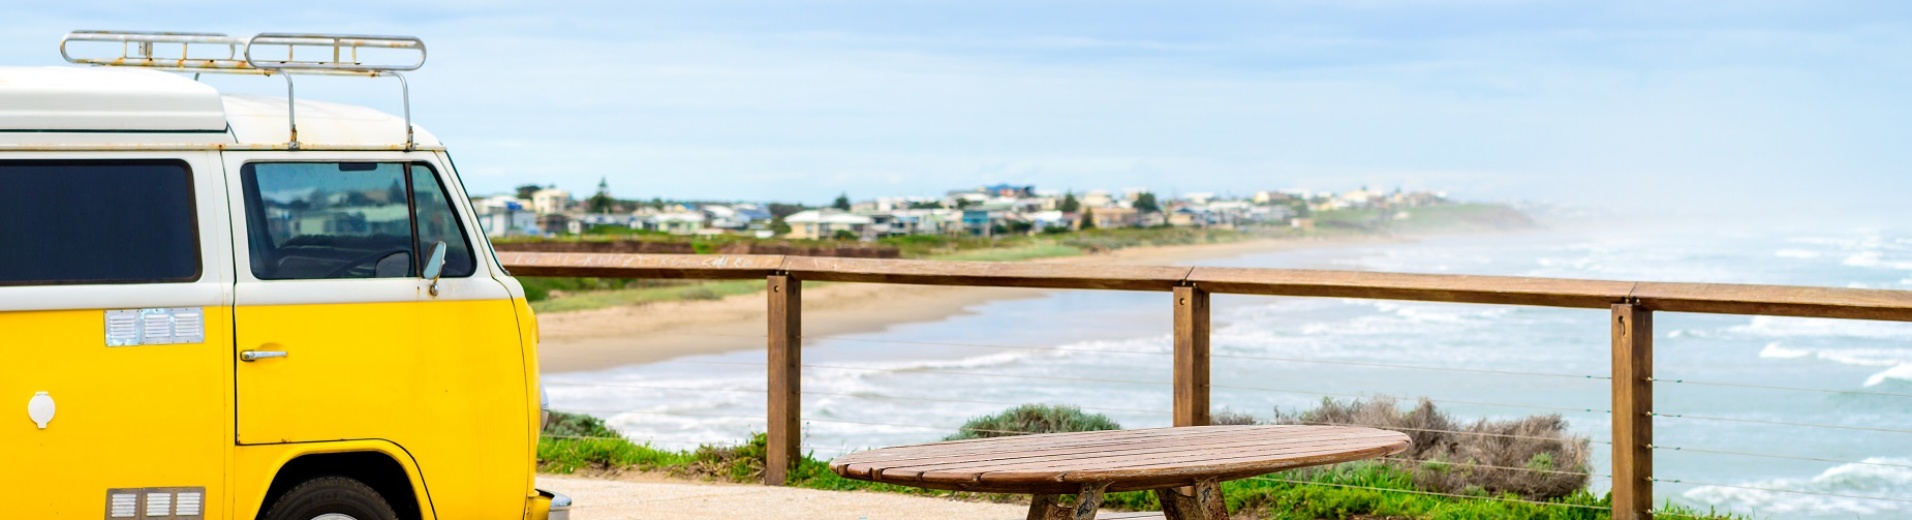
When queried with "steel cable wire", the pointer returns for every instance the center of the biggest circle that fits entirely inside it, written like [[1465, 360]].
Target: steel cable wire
[[1453, 401], [1766, 456], [1770, 387], [1506, 435], [998, 403], [1232, 356], [1776, 423], [1432, 493], [1489, 466]]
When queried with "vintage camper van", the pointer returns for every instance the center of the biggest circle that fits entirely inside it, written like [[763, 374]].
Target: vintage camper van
[[231, 307]]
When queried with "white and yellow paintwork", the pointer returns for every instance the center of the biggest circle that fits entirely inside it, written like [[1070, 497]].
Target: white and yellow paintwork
[[445, 385]]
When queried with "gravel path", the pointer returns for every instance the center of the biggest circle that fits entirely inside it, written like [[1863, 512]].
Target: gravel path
[[598, 499]]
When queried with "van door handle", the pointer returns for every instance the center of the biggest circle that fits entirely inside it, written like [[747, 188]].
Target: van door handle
[[255, 355]]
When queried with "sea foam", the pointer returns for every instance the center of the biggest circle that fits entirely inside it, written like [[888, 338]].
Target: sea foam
[[1903, 372], [1876, 476]]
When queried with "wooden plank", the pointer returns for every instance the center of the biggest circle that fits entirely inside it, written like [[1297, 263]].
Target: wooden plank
[[784, 432], [1176, 444], [1139, 453], [1776, 300], [1509, 290], [1191, 356], [1632, 403], [1147, 477], [989, 274], [601, 265], [1130, 460], [1125, 459]]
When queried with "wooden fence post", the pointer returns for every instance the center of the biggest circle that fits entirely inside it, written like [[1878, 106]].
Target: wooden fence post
[[1632, 407], [1191, 356], [785, 430]]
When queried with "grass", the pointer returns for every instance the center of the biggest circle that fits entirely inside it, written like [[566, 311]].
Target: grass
[[1012, 254], [1348, 491], [1364, 490]]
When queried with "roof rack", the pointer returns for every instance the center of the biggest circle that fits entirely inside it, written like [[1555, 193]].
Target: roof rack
[[221, 54]]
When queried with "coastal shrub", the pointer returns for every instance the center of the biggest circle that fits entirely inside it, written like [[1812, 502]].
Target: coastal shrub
[[1535, 457], [566, 424], [1228, 418], [1034, 418]]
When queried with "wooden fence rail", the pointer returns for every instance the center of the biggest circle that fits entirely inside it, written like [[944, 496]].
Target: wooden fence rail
[[1632, 305]]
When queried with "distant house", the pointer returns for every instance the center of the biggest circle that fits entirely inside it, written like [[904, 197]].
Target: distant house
[[1053, 219], [504, 215], [822, 224], [678, 223], [1097, 199], [550, 201], [509, 223], [1009, 191], [1187, 216], [1117, 217], [552, 222], [984, 220]]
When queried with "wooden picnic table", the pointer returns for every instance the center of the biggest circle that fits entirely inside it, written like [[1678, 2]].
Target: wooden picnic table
[[1088, 464]]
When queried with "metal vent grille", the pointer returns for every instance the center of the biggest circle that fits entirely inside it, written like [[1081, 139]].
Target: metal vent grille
[[165, 326], [188, 504], [122, 328], [159, 504], [122, 505], [156, 503]]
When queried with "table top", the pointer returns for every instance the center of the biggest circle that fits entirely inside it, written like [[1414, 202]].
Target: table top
[[1128, 460]]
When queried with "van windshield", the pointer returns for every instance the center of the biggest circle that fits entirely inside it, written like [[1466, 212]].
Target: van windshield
[[97, 222]]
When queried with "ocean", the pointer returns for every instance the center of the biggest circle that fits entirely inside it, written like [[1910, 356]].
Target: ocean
[[1108, 352]]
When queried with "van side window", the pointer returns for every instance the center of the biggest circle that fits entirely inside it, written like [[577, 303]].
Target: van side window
[[97, 222], [437, 221], [346, 220]]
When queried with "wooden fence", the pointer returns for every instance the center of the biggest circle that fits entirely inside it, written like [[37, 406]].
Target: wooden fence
[[1632, 305]]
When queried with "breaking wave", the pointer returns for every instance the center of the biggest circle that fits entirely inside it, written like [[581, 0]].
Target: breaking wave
[[1813, 495]]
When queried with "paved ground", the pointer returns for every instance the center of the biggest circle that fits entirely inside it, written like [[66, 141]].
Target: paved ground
[[627, 500]]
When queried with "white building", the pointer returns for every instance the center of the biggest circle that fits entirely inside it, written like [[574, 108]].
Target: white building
[[550, 201], [822, 224]]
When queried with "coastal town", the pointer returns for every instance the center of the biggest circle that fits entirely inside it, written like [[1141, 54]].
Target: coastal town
[[992, 210]]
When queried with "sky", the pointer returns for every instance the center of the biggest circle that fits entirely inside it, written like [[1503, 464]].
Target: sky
[[1633, 106]]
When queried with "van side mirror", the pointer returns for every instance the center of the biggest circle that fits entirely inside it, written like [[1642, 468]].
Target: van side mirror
[[434, 266]]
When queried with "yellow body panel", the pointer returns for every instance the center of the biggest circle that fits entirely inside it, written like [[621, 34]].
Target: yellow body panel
[[443, 381], [254, 467], [136, 416]]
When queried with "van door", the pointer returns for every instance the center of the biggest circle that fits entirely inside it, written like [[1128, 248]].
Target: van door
[[339, 338], [116, 330]]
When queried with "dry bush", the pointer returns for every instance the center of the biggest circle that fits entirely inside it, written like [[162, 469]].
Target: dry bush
[[1228, 418], [1534, 457]]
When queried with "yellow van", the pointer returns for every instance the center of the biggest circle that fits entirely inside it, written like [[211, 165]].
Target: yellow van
[[233, 307]]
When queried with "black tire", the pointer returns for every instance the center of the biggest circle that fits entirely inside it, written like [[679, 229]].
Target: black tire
[[331, 495]]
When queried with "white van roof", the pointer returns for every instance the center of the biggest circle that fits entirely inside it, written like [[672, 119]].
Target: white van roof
[[39, 104]]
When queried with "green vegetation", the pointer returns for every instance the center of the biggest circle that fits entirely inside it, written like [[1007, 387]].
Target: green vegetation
[[1034, 418], [1449, 218], [1365, 490]]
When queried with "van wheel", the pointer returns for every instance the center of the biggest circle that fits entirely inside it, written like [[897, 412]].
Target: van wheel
[[331, 498]]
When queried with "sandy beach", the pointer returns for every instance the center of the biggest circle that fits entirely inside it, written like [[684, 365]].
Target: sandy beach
[[605, 338]]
